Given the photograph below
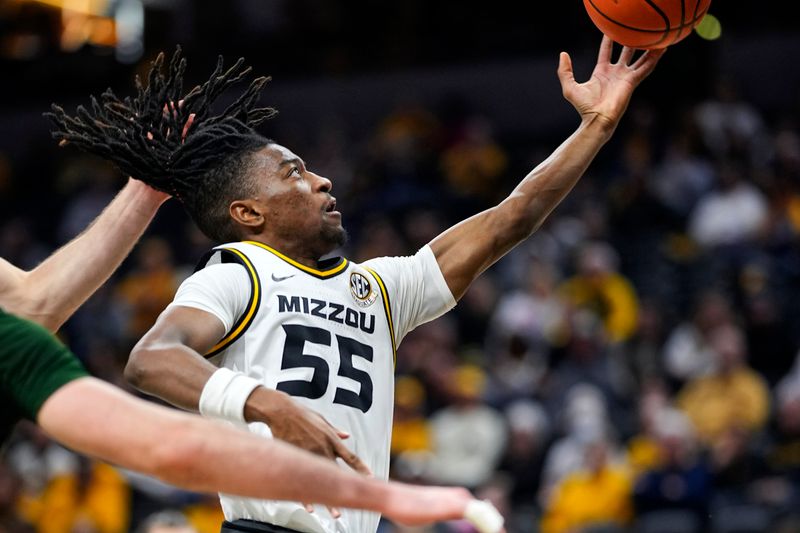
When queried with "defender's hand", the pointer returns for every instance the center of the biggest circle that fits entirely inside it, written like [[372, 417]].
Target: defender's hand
[[414, 505], [606, 94]]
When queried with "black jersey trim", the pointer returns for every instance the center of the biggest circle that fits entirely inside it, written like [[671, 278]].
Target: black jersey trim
[[339, 263], [241, 325], [387, 307]]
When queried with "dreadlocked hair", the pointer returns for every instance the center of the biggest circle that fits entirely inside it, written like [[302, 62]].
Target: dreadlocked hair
[[144, 136]]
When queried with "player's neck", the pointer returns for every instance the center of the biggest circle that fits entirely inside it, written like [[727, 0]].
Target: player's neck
[[295, 252]]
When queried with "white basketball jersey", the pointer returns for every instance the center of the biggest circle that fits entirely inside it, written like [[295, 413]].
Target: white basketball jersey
[[328, 338]]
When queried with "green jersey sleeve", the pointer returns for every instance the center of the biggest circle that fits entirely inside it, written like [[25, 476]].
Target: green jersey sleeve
[[33, 365]]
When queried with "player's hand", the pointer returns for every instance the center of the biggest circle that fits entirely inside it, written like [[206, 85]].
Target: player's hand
[[293, 423], [414, 506], [606, 94]]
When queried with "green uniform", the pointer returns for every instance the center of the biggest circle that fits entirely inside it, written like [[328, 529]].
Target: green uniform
[[33, 365]]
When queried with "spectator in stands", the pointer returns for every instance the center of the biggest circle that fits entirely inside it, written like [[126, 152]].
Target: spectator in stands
[[783, 456], [687, 354], [684, 175], [599, 287], [732, 397], [412, 442], [93, 499], [474, 163], [599, 494], [166, 522], [529, 436], [588, 359], [527, 324], [730, 124], [584, 419], [644, 448], [150, 287], [734, 213], [468, 436], [10, 491], [680, 480]]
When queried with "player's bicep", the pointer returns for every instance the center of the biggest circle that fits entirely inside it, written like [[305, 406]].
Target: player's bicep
[[464, 251], [191, 327]]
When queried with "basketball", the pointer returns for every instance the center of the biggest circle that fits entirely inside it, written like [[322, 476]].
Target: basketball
[[646, 23]]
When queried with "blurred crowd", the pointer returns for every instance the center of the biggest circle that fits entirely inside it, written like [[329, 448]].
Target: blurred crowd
[[631, 367]]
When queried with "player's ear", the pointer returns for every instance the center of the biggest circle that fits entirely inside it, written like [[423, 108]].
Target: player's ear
[[247, 213]]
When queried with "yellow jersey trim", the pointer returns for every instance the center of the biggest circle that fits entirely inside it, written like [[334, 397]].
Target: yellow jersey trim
[[313, 271], [247, 318], [387, 307]]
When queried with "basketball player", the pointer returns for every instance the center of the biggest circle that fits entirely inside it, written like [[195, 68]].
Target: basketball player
[[265, 318], [42, 381]]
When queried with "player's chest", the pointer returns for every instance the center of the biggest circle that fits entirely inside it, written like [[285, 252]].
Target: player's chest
[[318, 341]]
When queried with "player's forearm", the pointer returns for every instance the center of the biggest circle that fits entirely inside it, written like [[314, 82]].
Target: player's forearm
[[170, 371], [95, 418], [270, 469], [546, 185], [58, 286], [469, 248]]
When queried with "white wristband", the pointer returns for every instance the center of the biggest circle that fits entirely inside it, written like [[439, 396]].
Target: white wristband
[[225, 394], [484, 516]]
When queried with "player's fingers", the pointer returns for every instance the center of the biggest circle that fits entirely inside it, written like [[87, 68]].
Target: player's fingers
[[649, 57], [645, 64], [342, 434], [565, 74], [625, 56], [309, 507], [334, 512], [352, 460], [186, 126], [606, 47]]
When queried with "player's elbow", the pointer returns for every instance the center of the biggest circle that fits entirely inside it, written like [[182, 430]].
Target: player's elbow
[[35, 302], [140, 369], [510, 225]]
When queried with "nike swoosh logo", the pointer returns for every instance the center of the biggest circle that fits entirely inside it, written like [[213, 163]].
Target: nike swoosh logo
[[274, 278]]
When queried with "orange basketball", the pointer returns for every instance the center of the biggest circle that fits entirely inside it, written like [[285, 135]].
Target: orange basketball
[[646, 23]]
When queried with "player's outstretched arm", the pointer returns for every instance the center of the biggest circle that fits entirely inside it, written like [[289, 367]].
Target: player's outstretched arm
[[167, 363], [469, 248], [97, 419], [50, 293]]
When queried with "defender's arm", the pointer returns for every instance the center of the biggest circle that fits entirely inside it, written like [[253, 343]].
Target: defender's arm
[[93, 417], [50, 293]]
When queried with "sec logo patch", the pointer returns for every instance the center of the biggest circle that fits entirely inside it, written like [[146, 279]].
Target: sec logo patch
[[361, 290]]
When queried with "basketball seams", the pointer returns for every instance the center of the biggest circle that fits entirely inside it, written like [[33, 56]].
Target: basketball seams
[[679, 34], [691, 23], [664, 16], [666, 24]]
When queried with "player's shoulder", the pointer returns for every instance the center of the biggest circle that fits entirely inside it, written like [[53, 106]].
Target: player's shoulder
[[232, 253], [402, 264]]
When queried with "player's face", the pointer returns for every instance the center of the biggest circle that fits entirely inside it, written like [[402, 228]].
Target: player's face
[[299, 204]]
